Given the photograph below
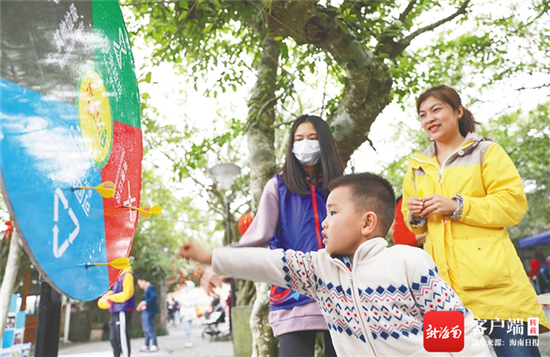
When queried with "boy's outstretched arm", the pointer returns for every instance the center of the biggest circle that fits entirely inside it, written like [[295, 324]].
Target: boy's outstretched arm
[[194, 251], [289, 269]]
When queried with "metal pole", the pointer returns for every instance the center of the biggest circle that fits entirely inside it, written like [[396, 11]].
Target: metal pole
[[229, 240], [233, 285], [227, 221], [49, 316]]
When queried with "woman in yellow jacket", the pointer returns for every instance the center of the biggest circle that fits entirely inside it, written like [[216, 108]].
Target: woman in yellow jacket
[[463, 191]]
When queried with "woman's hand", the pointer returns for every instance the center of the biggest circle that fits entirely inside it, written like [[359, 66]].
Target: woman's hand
[[415, 205], [436, 204]]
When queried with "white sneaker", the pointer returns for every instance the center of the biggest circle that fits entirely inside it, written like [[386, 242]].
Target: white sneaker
[[188, 345], [153, 348], [144, 348]]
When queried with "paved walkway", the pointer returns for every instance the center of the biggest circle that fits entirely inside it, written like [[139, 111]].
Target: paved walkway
[[171, 345]]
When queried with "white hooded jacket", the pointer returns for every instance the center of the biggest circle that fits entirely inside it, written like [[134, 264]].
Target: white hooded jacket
[[188, 309], [376, 309]]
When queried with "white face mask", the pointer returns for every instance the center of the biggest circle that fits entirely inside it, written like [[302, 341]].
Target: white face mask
[[307, 152]]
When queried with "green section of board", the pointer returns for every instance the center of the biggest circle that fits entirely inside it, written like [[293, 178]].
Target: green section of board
[[115, 62]]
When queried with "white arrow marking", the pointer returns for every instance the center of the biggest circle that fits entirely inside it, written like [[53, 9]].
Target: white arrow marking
[[74, 233], [59, 196], [59, 250]]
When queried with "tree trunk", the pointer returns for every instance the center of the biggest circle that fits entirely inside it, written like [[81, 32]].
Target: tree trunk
[[261, 136], [9, 278], [368, 81], [162, 301], [247, 292], [266, 344], [261, 116]]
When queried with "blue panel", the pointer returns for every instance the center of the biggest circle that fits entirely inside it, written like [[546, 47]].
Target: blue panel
[[42, 157], [13, 303], [20, 319], [7, 341], [541, 238]]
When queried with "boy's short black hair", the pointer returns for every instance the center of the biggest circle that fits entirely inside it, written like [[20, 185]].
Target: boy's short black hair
[[370, 192], [143, 278]]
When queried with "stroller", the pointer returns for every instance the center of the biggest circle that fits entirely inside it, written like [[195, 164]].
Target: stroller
[[212, 321]]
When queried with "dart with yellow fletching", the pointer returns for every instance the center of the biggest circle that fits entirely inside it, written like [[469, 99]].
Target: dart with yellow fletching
[[105, 189], [147, 211], [118, 263]]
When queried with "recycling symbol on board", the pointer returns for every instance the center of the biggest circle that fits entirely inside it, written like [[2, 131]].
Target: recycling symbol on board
[[58, 250]]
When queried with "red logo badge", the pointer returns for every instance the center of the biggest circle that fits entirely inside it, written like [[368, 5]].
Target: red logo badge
[[444, 331]]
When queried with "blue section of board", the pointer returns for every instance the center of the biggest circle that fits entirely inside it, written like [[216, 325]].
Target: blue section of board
[[43, 156]]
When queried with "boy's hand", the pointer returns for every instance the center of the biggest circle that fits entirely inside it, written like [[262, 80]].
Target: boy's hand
[[210, 281], [193, 250]]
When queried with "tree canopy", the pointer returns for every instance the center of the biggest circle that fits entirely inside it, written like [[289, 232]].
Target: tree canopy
[[343, 60], [346, 61]]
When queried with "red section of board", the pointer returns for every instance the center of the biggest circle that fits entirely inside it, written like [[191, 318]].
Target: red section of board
[[124, 170]]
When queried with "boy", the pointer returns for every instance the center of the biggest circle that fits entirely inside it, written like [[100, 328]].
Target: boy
[[373, 298]]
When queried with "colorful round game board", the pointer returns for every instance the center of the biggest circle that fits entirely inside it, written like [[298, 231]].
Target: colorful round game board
[[70, 117]]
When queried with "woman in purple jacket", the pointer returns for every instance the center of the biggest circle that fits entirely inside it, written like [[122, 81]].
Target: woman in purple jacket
[[289, 216]]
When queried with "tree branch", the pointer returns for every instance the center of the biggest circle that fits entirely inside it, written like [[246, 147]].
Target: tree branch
[[545, 9], [368, 81], [461, 10], [406, 12], [392, 48], [149, 2], [535, 87]]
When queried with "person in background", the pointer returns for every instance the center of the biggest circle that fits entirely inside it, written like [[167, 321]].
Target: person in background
[[536, 273], [400, 231], [122, 303], [289, 216], [172, 310], [149, 308], [463, 191], [177, 317], [215, 301], [188, 312]]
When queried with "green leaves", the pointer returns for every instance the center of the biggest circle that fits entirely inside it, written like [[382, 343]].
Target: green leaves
[[526, 138], [207, 28], [222, 40]]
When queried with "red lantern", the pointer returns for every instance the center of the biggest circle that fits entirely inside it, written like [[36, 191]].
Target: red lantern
[[8, 231], [244, 222]]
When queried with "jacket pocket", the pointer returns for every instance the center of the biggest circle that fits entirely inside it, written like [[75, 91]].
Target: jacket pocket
[[481, 263]]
